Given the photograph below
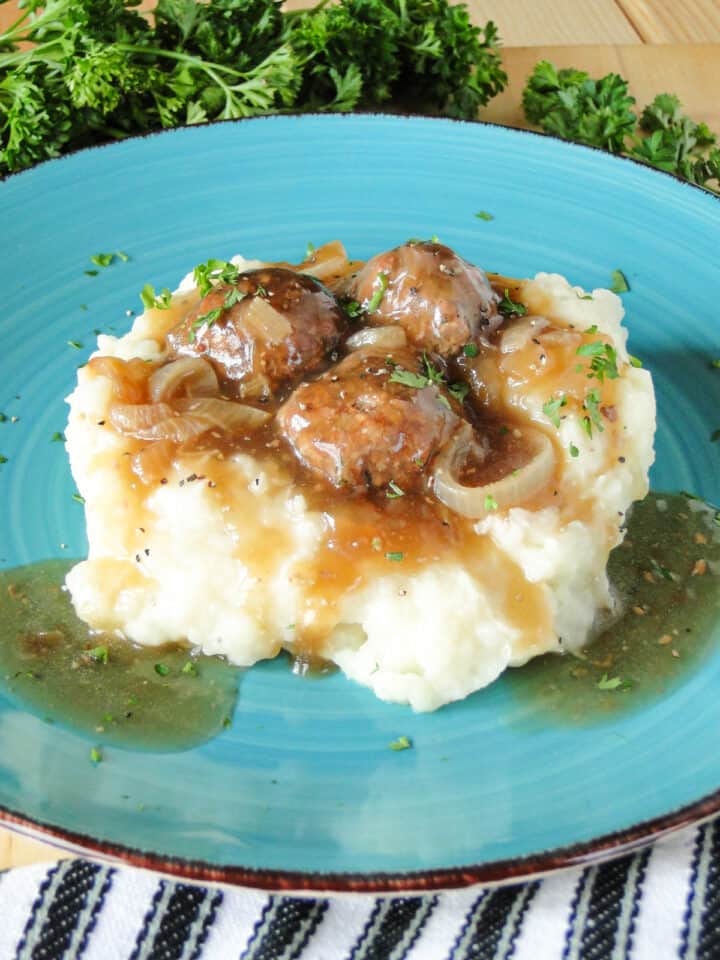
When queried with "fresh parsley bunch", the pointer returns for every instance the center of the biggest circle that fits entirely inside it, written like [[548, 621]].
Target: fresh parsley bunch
[[570, 104], [79, 72]]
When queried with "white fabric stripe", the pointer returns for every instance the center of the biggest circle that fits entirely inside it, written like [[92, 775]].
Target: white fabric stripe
[[698, 900], [196, 928], [152, 928], [368, 936], [261, 930], [543, 933], [660, 919], [39, 919], [340, 928], [509, 929], [420, 916], [460, 950], [119, 921], [234, 923], [92, 897], [18, 891], [621, 949], [581, 914], [443, 927]]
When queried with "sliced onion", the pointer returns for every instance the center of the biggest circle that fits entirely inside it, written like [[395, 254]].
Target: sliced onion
[[179, 428], [128, 377], [253, 386], [386, 338], [329, 260], [226, 415], [138, 419], [152, 463], [187, 377], [519, 333], [265, 322], [511, 490]]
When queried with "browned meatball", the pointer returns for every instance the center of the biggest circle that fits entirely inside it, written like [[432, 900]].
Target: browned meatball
[[441, 300], [269, 328], [360, 429]]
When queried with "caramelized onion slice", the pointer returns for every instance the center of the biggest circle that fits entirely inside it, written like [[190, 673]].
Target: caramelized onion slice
[[226, 415], [265, 322], [519, 333], [509, 491], [138, 419], [386, 338], [329, 260], [186, 377]]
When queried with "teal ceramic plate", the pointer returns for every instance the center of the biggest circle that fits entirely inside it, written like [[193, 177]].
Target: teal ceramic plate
[[302, 791]]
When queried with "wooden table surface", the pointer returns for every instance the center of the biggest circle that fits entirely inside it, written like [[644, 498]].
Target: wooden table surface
[[657, 45]]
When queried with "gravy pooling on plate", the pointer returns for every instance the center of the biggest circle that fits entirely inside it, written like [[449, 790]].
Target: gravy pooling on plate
[[406, 467]]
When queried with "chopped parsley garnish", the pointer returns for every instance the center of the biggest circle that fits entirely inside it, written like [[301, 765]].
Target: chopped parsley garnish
[[490, 503], [261, 291], [574, 452], [591, 405], [3, 458], [309, 250], [395, 555], [715, 364], [102, 259], [619, 282], [634, 361], [613, 683], [227, 723], [150, 299], [190, 669], [121, 255], [376, 543], [552, 408], [214, 271], [433, 374], [394, 491], [603, 364], [77, 498], [162, 669], [509, 308], [91, 273], [98, 654], [484, 215], [716, 519], [585, 296], [58, 437], [75, 344], [459, 390], [593, 329], [408, 379], [660, 571], [402, 743], [96, 755], [352, 308], [471, 350], [3, 418], [381, 282]]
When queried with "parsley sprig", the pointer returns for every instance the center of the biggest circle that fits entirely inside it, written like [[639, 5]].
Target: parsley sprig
[[572, 105], [74, 72]]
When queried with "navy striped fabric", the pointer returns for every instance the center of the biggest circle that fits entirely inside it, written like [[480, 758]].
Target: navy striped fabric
[[662, 902]]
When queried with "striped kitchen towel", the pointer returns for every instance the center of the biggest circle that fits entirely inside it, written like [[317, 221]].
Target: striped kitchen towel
[[662, 902]]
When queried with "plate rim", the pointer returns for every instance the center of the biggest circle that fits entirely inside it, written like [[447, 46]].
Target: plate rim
[[432, 880], [508, 870]]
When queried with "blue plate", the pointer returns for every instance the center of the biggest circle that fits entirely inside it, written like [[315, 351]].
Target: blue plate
[[302, 791]]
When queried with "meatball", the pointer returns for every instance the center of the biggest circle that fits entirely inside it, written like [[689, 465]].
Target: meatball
[[441, 300], [268, 329], [360, 427]]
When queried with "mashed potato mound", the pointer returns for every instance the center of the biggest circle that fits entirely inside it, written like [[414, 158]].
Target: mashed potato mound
[[228, 552]]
